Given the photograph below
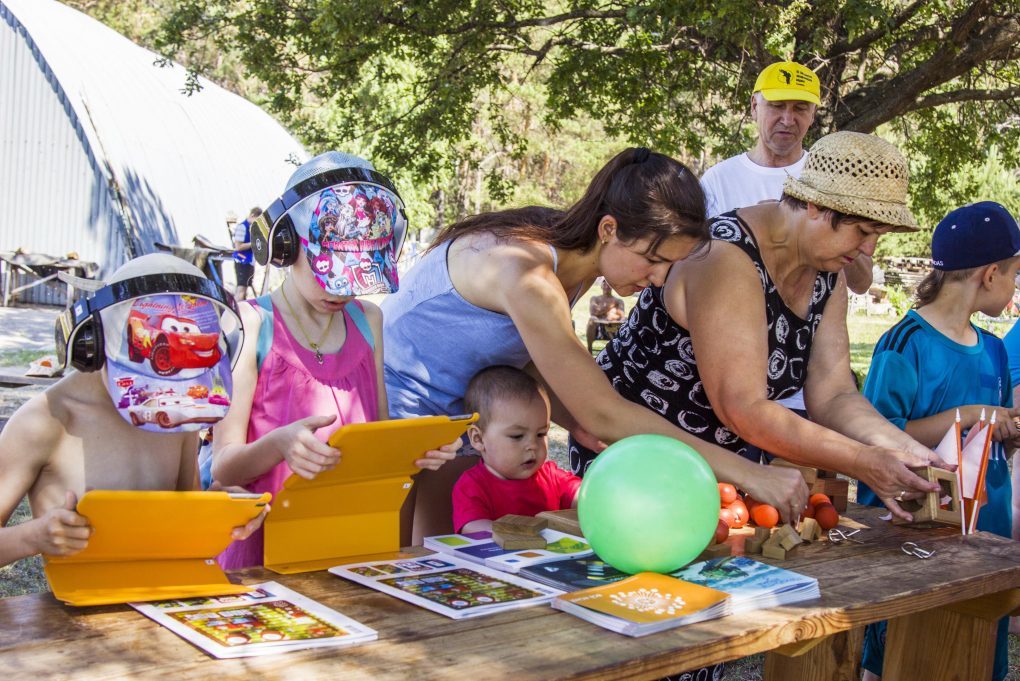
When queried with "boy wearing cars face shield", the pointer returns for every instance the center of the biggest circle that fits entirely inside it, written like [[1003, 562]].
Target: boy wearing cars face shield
[[153, 351]]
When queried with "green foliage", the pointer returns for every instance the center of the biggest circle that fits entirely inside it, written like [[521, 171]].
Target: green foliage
[[900, 299], [430, 87], [463, 100]]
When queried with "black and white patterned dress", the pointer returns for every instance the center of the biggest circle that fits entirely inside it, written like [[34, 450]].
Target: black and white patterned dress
[[651, 361]]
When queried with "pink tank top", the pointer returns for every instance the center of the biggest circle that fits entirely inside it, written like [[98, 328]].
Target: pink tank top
[[292, 385]]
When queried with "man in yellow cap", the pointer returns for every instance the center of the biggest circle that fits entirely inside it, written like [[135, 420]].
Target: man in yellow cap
[[783, 105]]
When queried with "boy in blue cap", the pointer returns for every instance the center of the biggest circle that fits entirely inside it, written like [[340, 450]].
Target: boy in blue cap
[[935, 361]]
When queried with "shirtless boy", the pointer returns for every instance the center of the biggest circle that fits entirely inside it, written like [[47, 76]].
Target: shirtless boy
[[130, 423]]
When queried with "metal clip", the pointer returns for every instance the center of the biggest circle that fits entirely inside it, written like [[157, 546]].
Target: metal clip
[[837, 536], [912, 549]]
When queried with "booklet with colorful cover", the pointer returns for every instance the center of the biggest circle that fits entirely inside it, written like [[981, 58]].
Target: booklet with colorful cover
[[751, 584], [644, 603], [573, 574], [446, 585], [479, 547], [268, 619]]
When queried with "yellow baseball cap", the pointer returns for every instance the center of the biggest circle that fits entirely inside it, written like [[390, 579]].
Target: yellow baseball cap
[[788, 80]]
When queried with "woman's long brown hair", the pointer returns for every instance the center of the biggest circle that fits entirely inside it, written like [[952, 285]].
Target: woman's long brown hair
[[650, 195]]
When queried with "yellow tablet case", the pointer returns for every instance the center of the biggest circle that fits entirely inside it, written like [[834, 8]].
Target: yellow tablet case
[[353, 509], [152, 546]]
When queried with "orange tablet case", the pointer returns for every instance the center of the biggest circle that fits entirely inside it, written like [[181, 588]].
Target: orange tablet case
[[353, 509], [152, 546]]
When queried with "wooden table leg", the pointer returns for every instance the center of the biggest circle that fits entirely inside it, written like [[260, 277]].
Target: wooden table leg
[[955, 642], [831, 658]]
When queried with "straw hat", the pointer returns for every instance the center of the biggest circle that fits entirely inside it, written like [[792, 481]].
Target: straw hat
[[857, 174]]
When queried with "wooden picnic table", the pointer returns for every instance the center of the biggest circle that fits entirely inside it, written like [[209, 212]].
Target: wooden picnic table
[[942, 610]]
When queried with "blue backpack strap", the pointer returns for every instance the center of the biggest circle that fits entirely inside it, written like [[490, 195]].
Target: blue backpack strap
[[357, 314], [264, 306]]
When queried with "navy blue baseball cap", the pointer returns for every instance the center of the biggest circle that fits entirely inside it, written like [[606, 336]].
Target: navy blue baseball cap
[[973, 236]]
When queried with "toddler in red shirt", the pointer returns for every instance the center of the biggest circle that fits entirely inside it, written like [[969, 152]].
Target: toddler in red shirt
[[513, 475]]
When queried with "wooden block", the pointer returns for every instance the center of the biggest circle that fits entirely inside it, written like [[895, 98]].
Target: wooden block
[[810, 474], [762, 534], [715, 551], [563, 521], [752, 546], [928, 511], [517, 542], [831, 486], [519, 524], [787, 537], [810, 530], [774, 551], [836, 489], [826, 474]]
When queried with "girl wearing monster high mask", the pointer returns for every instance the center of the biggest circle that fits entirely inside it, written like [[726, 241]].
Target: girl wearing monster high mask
[[153, 367], [315, 362]]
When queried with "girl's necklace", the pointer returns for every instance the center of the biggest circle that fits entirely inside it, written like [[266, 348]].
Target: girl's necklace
[[322, 337]]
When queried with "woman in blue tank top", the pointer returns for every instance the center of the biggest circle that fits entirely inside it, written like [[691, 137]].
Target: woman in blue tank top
[[497, 289]]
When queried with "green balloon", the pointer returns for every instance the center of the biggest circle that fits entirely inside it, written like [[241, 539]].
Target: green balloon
[[648, 503]]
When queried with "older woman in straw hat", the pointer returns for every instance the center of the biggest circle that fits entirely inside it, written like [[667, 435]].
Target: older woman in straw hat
[[763, 314]]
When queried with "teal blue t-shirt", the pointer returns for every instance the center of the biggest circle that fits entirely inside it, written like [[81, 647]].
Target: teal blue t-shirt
[[916, 372]]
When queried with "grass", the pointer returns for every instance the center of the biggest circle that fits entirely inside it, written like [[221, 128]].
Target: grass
[[25, 576], [10, 358]]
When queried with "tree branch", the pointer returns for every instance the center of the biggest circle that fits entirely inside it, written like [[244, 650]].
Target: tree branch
[[965, 95], [509, 25], [844, 46], [980, 41]]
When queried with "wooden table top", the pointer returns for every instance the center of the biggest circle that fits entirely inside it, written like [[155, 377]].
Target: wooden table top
[[860, 583]]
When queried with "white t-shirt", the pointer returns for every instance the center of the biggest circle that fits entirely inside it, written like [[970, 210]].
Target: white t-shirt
[[738, 182]]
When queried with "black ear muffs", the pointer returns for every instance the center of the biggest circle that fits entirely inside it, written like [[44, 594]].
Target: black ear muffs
[[274, 244], [275, 241], [87, 352], [80, 346]]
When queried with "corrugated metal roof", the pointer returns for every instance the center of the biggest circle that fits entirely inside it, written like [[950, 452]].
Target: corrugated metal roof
[[80, 105]]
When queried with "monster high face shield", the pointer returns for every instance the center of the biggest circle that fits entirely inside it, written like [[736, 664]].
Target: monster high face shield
[[169, 343], [351, 224]]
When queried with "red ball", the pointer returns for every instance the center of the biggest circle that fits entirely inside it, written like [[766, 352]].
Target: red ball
[[819, 498], [727, 493], [827, 516], [740, 513], [727, 516], [722, 530], [764, 515]]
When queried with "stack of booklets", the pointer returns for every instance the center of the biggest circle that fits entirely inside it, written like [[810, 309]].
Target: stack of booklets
[[750, 584], [644, 604], [647, 602], [479, 547], [267, 620], [447, 585]]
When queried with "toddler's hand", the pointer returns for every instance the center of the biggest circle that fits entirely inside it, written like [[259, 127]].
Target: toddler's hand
[[435, 458], [61, 531], [306, 455]]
